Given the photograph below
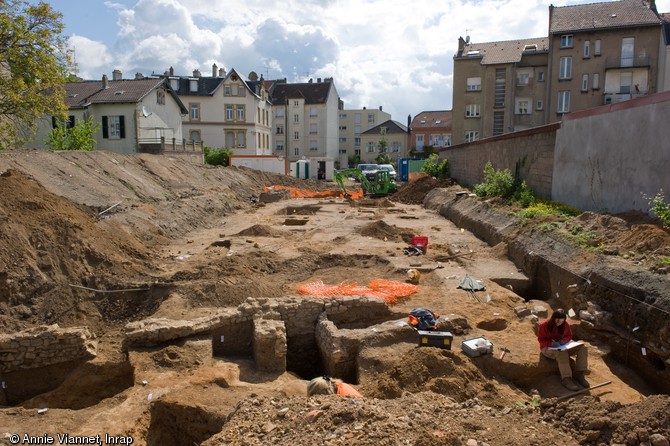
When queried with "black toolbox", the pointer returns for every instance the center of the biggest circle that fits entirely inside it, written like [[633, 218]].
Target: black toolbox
[[440, 339]]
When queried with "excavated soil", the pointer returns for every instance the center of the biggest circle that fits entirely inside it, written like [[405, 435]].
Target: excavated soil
[[98, 240]]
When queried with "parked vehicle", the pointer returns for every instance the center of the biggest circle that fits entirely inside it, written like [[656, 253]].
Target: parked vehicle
[[380, 185], [391, 170], [368, 170]]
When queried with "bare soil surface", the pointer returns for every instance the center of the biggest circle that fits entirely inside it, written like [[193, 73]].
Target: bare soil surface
[[183, 240]]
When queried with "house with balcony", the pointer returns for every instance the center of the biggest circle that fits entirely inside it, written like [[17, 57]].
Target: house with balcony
[[226, 110], [305, 120], [603, 53], [390, 137], [499, 87], [132, 115], [353, 122], [431, 129]]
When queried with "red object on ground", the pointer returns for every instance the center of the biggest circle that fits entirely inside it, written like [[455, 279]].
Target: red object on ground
[[421, 242]]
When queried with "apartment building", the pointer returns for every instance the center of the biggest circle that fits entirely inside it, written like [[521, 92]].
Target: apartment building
[[226, 110], [499, 87], [603, 53], [396, 138], [431, 128], [305, 119], [352, 124]]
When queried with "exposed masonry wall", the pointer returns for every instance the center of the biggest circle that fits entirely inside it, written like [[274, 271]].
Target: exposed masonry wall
[[44, 346]]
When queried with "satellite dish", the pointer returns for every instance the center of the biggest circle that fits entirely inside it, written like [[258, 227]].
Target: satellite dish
[[467, 39], [146, 113]]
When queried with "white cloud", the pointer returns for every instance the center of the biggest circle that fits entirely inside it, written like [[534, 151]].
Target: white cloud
[[92, 58]]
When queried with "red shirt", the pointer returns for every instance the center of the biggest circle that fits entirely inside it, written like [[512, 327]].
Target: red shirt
[[546, 336]]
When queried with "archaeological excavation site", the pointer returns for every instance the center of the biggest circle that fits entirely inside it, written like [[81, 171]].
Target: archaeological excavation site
[[154, 300]]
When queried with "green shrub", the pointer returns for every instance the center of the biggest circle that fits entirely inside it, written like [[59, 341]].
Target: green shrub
[[436, 168], [543, 207], [217, 157], [78, 137], [495, 183], [660, 208]]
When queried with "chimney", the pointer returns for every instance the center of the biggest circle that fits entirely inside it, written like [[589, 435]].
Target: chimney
[[222, 72], [116, 75], [196, 73], [139, 76], [461, 46], [171, 71], [215, 70], [105, 82], [318, 80], [380, 108], [409, 123]]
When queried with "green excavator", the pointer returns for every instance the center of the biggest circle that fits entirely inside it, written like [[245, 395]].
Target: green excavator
[[380, 186]]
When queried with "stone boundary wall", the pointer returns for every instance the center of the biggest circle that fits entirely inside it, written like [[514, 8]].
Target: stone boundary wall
[[532, 150], [44, 346]]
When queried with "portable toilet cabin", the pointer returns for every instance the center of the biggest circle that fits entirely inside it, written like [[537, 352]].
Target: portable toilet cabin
[[408, 165], [302, 169]]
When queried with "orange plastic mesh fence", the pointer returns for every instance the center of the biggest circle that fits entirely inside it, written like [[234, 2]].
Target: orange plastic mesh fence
[[388, 290], [307, 193]]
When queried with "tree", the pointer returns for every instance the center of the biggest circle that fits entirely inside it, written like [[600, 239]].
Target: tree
[[383, 157], [77, 137], [33, 68]]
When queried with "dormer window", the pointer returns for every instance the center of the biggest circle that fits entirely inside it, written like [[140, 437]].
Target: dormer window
[[532, 47], [193, 85]]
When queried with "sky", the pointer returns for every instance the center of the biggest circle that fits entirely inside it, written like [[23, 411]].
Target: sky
[[394, 54]]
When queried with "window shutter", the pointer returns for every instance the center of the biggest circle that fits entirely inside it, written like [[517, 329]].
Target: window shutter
[[105, 130], [122, 126], [53, 122]]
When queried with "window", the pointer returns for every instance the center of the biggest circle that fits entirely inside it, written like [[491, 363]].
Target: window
[[498, 122], [472, 111], [595, 84], [193, 85], [563, 102], [540, 76], [395, 146], [585, 82], [474, 84], [343, 140], [230, 139], [312, 129], [160, 97], [587, 49], [343, 127], [343, 116], [113, 127], [229, 113], [566, 41], [627, 48], [313, 112], [357, 118], [68, 124], [240, 113], [440, 140], [296, 151], [296, 103], [296, 118], [194, 135], [499, 95], [241, 92], [357, 142], [371, 118], [539, 105], [279, 113], [280, 130], [471, 135], [565, 68], [226, 90], [625, 82], [279, 147], [312, 145], [419, 141], [522, 107], [596, 48], [241, 139], [195, 112], [522, 78], [357, 129], [296, 135], [233, 90], [370, 147]]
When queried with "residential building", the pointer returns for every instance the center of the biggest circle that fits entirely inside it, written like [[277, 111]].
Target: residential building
[[603, 53], [499, 87], [430, 128], [132, 115], [353, 122], [226, 110], [305, 119], [393, 133]]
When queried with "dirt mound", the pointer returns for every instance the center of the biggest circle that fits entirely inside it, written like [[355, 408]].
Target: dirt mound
[[595, 422], [415, 191], [260, 231], [381, 230]]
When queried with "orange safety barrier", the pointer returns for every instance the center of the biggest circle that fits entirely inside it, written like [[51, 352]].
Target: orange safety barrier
[[307, 193], [388, 290]]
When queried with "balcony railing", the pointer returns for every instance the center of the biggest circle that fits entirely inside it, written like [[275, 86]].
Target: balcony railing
[[612, 63]]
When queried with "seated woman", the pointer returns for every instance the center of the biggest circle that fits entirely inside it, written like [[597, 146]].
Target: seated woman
[[552, 334], [325, 385]]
